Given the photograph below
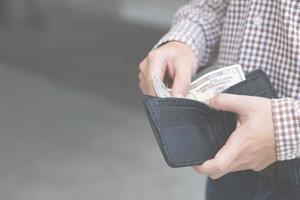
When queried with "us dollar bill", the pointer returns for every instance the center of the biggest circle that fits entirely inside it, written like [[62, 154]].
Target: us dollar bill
[[215, 82], [208, 85], [160, 88]]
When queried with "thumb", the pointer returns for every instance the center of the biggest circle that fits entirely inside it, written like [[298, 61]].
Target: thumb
[[182, 81], [229, 102]]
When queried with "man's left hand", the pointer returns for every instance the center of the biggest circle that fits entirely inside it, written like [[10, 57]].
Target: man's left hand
[[252, 144]]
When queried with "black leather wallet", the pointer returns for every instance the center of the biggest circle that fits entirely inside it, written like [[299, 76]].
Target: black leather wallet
[[189, 132]]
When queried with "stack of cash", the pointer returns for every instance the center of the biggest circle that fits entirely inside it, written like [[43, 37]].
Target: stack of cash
[[207, 86]]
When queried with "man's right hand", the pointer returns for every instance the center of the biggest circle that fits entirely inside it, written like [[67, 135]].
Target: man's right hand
[[174, 59]]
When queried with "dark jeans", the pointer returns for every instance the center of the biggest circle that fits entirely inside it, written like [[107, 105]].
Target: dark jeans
[[250, 185]]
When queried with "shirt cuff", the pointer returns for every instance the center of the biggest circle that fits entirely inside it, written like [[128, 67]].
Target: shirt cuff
[[286, 121], [189, 33]]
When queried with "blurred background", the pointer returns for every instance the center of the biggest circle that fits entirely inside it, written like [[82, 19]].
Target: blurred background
[[72, 125]]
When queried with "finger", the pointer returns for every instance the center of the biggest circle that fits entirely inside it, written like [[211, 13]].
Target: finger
[[182, 80], [143, 83], [143, 66], [157, 67], [229, 102], [143, 88], [208, 168], [142, 78]]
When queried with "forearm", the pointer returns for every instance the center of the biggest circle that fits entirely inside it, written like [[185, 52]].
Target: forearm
[[198, 25]]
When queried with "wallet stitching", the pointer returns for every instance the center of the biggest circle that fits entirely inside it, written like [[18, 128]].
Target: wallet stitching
[[185, 102], [187, 107]]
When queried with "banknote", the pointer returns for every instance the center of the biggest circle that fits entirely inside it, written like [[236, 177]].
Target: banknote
[[207, 85], [160, 88], [215, 82]]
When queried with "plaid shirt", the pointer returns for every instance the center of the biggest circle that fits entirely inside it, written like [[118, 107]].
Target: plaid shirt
[[256, 34]]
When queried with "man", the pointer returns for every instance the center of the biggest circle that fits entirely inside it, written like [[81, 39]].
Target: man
[[261, 34]]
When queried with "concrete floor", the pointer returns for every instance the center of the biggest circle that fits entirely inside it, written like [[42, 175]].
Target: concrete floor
[[72, 124]]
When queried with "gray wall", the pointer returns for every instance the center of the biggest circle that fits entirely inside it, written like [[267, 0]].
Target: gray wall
[[100, 7], [146, 12], [151, 12]]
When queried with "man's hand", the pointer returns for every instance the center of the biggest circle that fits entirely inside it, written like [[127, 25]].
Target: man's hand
[[174, 59], [251, 145]]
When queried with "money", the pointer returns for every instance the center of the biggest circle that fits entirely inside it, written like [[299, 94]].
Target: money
[[208, 85], [160, 88]]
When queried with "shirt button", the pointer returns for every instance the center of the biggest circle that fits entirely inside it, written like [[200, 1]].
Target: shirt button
[[258, 20]]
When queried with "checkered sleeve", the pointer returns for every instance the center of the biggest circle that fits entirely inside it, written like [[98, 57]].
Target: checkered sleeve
[[198, 25], [286, 119]]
